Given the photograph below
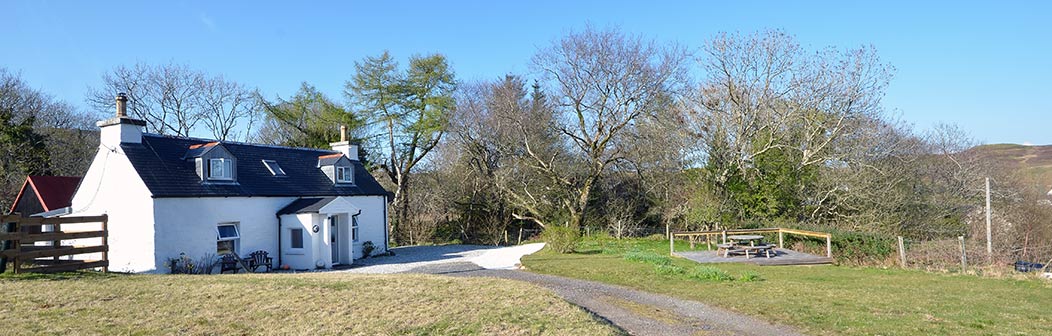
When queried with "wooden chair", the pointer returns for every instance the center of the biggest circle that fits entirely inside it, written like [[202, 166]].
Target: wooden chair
[[259, 259], [229, 262]]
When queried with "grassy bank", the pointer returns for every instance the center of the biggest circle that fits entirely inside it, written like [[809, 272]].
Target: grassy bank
[[302, 304], [824, 300]]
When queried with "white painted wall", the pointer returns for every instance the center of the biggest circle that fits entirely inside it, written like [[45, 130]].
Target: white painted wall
[[112, 186], [305, 257], [188, 225], [144, 232], [372, 223]]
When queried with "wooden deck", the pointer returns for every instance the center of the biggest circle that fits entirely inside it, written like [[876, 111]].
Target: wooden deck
[[783, 257]]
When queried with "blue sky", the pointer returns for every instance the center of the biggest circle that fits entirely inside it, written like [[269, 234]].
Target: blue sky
[[983, 66]]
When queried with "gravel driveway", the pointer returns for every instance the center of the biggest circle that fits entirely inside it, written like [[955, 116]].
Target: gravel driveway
[[636, 312], [409, 258]]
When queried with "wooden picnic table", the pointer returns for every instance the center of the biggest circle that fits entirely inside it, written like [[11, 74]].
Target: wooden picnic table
[[750, 238]]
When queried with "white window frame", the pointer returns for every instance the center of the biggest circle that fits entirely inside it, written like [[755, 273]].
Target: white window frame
[[226, 167], [235, 239], [354, 229], [274, 167], [344, 174]]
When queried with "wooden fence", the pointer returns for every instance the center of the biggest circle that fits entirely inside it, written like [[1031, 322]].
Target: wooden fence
[[694, 237], [20, 246]]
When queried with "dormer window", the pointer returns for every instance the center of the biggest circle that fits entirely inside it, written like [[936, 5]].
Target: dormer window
[[220, 169], [344, 174]]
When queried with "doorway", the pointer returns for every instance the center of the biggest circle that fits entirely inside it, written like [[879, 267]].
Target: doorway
[[334, 241]]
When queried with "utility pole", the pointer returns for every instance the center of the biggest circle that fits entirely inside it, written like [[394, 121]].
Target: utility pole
[[989, 243]]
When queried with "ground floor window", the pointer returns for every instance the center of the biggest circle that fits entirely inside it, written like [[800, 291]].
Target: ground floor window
[[354, 228], [227, 238], [296, 238]]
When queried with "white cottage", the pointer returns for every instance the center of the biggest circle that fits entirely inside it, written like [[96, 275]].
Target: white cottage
[[170, 196]]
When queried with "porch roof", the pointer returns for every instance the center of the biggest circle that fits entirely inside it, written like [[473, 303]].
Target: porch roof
[[306, 205]]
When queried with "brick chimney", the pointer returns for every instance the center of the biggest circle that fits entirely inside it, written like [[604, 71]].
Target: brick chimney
[[350, 150], [121, 128]]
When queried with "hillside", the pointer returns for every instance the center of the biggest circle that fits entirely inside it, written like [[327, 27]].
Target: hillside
[[1035, 161]]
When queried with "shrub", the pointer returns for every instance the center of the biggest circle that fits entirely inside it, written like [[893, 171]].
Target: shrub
[[669, 269], [749, 276], [560, 238], [709, 273], [849, 247], [185, 265], [367, 248], [656, 236], [648, 257]]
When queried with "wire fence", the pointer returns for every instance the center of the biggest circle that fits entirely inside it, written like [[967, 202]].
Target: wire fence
[[969, 255]]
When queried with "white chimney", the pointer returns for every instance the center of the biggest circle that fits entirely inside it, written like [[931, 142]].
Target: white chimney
[[350, 150], [121, 128]]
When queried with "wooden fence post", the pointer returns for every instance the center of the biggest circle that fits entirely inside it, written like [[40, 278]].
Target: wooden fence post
[[520, 236], [902, 253], [964, 255], [724, 236], [781, 238], [56, 244], [5, 244], [106, 243], [17, 262], [829, 246], [708, 242], [671, 246]]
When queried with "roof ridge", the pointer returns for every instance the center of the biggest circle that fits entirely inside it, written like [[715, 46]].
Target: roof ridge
[[240, 143]]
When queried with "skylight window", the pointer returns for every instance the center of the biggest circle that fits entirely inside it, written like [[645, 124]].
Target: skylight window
[[274, 167]]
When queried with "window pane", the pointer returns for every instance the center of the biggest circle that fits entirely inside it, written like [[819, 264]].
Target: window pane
[[296, 238], [227, 231], [228, 169], [215, 168]]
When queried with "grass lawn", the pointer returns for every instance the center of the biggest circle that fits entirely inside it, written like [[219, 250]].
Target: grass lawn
[[825, 300], [296, 304]]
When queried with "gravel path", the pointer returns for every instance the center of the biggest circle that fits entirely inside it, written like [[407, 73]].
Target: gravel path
[[636, 312], [408, 258]]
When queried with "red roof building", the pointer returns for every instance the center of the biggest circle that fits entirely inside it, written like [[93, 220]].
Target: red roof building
[[44, 193]]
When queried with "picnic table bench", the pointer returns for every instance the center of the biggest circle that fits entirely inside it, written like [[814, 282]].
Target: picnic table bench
[[728, 248]]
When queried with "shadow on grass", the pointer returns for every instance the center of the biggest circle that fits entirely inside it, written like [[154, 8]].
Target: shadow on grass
[[9, 276]]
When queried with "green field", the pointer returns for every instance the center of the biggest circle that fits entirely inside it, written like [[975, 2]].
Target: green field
[[285, 304], [823, 300]]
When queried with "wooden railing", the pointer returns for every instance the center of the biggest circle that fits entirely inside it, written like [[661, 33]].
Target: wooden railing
[[18, 245], [693, 237]]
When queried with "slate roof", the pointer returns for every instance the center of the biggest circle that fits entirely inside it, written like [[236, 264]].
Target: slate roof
[[162, 164], [306, 205], [52, 192]]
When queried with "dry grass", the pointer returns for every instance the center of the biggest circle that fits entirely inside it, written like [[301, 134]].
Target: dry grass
[[287, 304]]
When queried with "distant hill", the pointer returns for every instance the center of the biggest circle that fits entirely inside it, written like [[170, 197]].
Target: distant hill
[[1036, 161]]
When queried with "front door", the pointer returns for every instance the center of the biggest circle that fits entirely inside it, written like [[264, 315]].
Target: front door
[[333, 238]]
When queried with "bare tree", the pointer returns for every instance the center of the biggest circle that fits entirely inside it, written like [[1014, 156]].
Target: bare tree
[[226, 106], [604, 81], [174, 99]]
